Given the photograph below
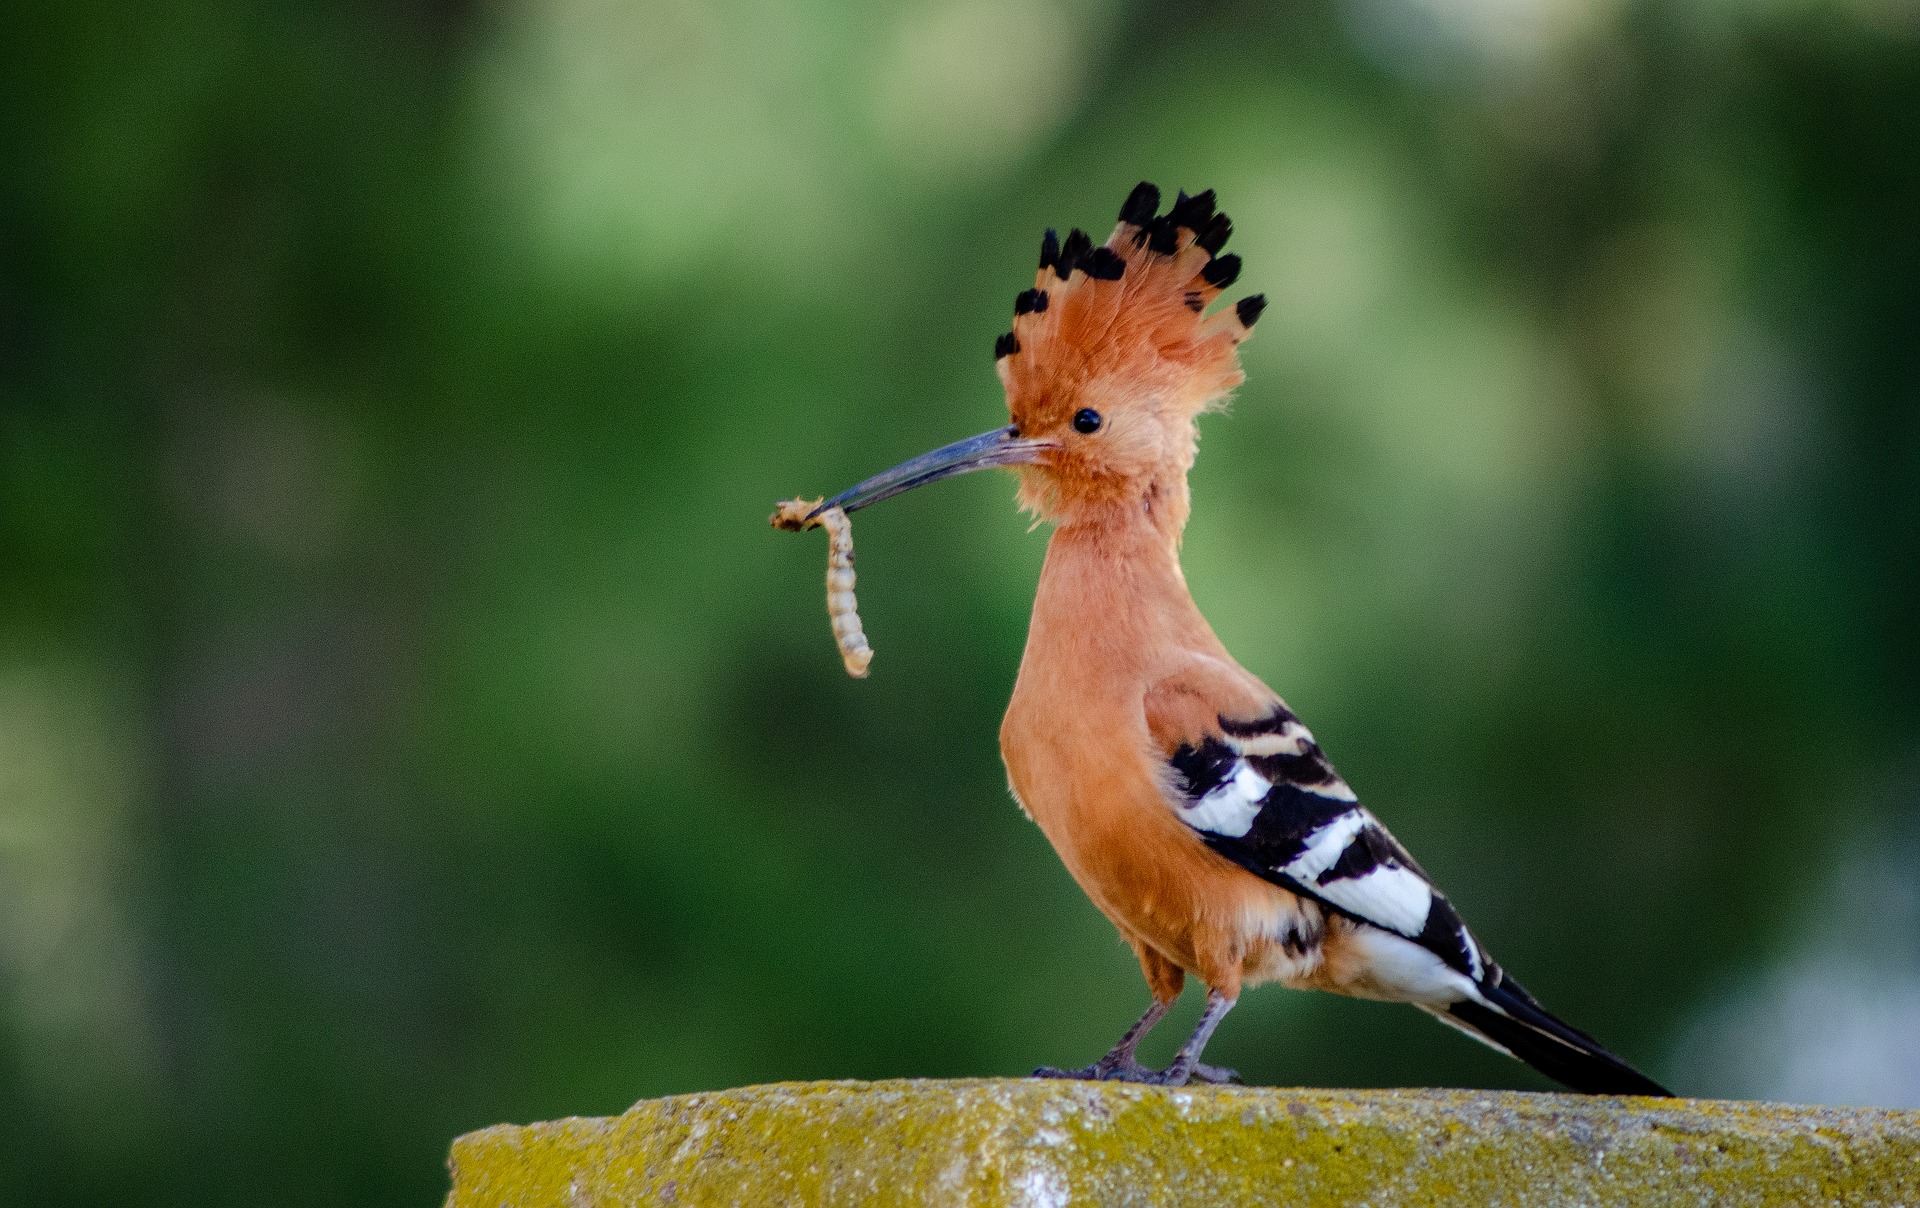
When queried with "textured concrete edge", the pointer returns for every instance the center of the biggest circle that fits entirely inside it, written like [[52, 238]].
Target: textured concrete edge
[[1026, 1142]]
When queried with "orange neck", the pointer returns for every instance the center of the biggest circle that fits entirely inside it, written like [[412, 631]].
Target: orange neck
[[1112, 604]]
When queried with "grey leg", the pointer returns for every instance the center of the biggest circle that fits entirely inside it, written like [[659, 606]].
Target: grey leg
[[1119, 1064], [1186, 1063]]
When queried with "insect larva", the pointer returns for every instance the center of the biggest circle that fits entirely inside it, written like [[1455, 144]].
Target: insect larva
[[841, 607], [795, 515]]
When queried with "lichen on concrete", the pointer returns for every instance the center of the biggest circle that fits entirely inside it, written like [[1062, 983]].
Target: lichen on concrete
[[1042, 1144]]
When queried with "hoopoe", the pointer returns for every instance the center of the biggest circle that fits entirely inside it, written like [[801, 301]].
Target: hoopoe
[[1184, 797]]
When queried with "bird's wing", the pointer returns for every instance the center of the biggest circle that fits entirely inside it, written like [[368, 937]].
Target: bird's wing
[[1260, 793]]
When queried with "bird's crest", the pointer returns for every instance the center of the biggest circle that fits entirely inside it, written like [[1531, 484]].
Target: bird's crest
[[1129, 314], [1119, 336]]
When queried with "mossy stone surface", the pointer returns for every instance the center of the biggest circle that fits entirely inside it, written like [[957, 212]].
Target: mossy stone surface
[[1050, 1144]]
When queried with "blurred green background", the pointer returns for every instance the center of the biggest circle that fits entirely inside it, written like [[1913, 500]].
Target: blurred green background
[[408, 721]]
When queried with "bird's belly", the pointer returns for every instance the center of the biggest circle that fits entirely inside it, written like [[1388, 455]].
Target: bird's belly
[[1164, 889]]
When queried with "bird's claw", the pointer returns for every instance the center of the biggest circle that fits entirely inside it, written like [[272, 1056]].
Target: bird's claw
[[1101, 1071], [1133, 1071]]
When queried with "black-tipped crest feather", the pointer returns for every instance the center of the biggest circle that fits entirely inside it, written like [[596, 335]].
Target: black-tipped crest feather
[[1214, 236], [1141, 204], [1221, 271], [1074, 250], [1103, 264]]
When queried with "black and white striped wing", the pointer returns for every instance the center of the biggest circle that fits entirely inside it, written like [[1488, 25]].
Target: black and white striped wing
[[1264, 796]]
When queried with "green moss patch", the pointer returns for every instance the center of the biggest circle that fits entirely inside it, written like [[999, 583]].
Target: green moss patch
[[1050, 1144]]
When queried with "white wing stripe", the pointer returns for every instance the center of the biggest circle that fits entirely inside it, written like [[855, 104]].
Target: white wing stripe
[[1230, 808], [1324, 846], [1391, 896], [1291, 740]]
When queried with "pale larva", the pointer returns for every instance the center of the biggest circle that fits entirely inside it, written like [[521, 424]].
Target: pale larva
[[795, 515]]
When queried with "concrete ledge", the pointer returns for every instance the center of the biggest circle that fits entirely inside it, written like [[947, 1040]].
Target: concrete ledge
[[1051, 1144]]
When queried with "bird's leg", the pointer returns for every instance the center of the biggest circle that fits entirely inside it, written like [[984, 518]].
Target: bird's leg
[[1186, 1063], [1119, 1064]]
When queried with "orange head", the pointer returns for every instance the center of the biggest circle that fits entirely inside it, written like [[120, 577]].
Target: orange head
[[1111, 359]]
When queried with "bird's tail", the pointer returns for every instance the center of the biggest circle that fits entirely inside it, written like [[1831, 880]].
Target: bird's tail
[[1513, 1022]]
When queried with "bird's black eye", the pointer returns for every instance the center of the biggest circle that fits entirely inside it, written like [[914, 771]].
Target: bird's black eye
[[1086, 420]]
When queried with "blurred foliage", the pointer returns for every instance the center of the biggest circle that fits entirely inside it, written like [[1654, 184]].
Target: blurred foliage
[[408, 721]]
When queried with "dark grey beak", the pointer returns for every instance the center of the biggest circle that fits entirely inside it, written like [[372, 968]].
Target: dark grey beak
[[1000, 447]]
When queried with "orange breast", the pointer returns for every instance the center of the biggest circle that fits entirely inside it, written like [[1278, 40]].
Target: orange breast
[[1082, 760]]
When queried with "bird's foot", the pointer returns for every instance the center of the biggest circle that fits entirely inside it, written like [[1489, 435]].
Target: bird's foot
[[1133, 1071], [1171, 1076], [1103, 1070]]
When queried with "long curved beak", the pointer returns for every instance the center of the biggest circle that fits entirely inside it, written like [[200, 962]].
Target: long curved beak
[[1000, 447]]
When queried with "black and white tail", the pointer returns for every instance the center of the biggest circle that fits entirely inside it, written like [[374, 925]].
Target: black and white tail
[[1519, 1026]]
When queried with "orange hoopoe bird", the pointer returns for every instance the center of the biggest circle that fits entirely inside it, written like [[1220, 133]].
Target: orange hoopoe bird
[[1183, 795]]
